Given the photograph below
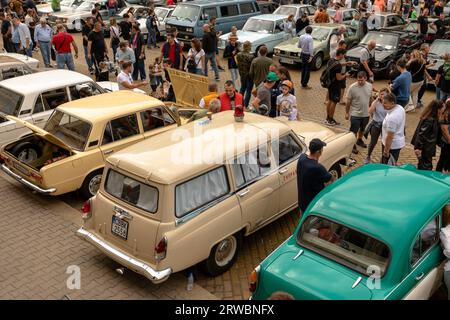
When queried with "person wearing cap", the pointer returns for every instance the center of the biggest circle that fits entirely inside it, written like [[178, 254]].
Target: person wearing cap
[[230, 52], [311, 175], [301, 23], [262, 102], [287, 102], [43, 35], [230, 98]]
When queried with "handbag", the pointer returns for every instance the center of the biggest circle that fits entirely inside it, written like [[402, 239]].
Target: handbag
[[52, 53], [115, 41], [191, 64]]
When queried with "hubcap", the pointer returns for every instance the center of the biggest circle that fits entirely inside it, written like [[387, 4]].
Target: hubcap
[[334, 174], [27, 155], [225, 251], [318, 62], [94, 184]]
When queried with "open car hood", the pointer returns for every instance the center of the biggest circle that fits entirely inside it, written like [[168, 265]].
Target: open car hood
[[41, 132], [189, 88]]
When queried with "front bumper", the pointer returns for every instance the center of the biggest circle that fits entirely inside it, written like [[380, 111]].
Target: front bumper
[[288, 58], [124, 259], [26, 182]]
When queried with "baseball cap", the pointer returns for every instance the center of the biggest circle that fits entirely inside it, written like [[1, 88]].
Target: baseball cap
[[272, 76], [287, 83], [316, 145]]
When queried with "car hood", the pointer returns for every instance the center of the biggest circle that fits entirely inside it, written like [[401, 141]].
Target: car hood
[[310, 277], [291, 45], [355, 53], [189, 88], [47, 8], [114, 86], [309, 130], [247, 36], [69, 13]]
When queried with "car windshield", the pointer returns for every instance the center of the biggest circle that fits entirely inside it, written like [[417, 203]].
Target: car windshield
[[71, 130], [186, 12], [71, 3], [344, 245], [319, 34], [257, 25], [85, 6], [439, 48], [384, 41], [286, 10], [10, 102], [161, 13]]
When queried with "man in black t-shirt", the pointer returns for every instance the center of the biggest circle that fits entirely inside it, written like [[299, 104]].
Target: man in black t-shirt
[[6, 33], [125, 27], [87, 29], [97, 48], [311, 175], [209, 43], [423, 22], [334, 90], [440, 27]]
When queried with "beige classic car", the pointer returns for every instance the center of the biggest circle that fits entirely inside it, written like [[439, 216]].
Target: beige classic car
[[189, 195], [69, 153]]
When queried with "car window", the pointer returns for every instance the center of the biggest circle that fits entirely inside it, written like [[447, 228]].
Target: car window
[[250, 166], [426, 239], [398, 20], [246, 8], [155, 118], [311, 11], [229, 11], [120, 128], [208, 13], [54, 98], [38, 106], [348, 15], [13, 72], [285, 149], [10, 102], [212, 184], [84, 90], [278, 26], [350, 32]]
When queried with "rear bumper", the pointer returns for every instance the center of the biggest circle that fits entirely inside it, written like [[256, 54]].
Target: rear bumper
[[26, 182], [124, 259]]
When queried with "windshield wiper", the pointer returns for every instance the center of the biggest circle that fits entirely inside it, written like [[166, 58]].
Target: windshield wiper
[[187, 18]]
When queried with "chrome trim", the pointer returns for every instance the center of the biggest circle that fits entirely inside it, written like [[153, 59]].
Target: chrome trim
[[138, 266], [298, 255], [26, 182], [356, 282], [122, 213]]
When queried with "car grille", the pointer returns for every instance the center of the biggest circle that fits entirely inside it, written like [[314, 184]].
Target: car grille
[[51, 18]]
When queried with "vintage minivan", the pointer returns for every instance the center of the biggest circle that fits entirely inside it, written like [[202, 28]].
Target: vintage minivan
[[190, 17], [189, 195]]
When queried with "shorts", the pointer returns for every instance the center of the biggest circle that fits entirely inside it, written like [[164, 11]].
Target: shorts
[[343, 84], [334, 92], [358, 124]]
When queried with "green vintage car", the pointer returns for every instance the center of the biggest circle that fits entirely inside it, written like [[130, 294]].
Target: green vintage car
[[373, 234], [288, 51]]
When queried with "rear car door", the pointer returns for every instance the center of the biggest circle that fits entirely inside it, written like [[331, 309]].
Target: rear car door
[[46, 102]]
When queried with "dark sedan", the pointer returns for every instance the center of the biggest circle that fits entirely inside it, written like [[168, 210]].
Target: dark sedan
[[437, 51]]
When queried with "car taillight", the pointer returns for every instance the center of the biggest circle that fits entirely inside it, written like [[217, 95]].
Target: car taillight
[[253, 280], [3, 158], [86, 210], [36, 177], [161, 249]]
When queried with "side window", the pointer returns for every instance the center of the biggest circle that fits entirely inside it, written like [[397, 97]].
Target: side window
[[398, 21], [278, 26], [53, 98], [348, 15], [38, 106], [250, 166], [155, 118], [311, 11], [427, 238], [83, 90], [208, 13], [200, 191], [285, 149], [246, 8], [349, 33], [120, 128], [229, 11]]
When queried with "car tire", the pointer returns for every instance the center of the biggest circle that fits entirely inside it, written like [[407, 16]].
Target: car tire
[[257, 50], [26, 152], [78, 25], [219, 262], [91, 183], [317, 61], [335, 171]]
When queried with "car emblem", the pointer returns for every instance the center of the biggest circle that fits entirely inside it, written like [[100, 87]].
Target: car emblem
[[122, 214]]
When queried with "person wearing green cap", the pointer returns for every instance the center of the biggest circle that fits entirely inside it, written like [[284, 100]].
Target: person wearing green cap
[[262, 102]]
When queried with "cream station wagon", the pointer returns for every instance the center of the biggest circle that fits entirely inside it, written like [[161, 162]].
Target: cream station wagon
[[162, 207], [69, 153]]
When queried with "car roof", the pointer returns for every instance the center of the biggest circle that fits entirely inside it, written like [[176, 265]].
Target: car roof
[[386, 202], [43, 81], [270, 17], [153, 158], [214, 2], [296, 5], [106, 106], [330, 25]]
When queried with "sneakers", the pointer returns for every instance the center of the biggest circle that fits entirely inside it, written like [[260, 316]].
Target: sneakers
[[331, 122], [361, 143], [306, 87], [409, 108], [367, 160]]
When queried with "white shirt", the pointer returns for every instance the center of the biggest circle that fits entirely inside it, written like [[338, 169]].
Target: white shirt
[[395, 123], [348, 4], [123, 77], [445, 240], [197, 56], [334, 42]]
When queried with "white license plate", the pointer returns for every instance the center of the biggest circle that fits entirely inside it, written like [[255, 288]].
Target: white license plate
[[288, 61], [119, 227]]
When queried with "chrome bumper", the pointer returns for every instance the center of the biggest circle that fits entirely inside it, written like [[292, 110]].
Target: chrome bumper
[[127, 261], [26, 182]]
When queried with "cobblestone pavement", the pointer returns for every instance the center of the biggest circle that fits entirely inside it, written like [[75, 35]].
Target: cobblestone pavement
[[38, 243]]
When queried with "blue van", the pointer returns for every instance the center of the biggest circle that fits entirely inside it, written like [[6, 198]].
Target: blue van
[[189, 17]]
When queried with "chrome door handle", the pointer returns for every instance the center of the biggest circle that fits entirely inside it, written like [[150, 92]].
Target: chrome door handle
[[284, 170], [108, 152], [243, 193], [38, 120], [420, 276]]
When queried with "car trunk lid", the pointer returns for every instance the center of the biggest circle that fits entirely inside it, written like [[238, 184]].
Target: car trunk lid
[[189, 88]]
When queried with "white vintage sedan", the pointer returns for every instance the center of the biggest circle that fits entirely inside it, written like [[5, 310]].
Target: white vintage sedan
[[266, 29], [18, 59]]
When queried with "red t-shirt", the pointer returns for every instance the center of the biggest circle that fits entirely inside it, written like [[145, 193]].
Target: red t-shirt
[[171, 53], [62, 42]]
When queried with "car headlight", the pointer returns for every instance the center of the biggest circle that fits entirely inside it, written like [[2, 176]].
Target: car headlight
[[376, 64], [189, 30], [276, 51], [299, 54], [64, 20]]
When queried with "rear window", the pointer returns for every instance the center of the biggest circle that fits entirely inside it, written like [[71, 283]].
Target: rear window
[[10, 102], [132, 191], [345, 245]]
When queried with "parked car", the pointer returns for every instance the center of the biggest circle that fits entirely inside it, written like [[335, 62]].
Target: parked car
[[388, 21], [371, 249], [437, 50], [297, 10], [65, 5], [288, 51], [265, 29], [390, 47], [14, 65], [151, 211], [267, 7], [140, 13], [413, 26], [162, 13], [190, 17], [347, 14]]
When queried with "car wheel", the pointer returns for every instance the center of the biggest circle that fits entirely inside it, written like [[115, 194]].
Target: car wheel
[[78, 25], [26, 152], [91, 184], [335, 171], [257, 50], [223, 255], [317, 62]]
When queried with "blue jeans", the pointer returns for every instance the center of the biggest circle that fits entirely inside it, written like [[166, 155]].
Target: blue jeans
[[111, 12], [65, 59], [234, 75], [212, 57], [139, 68], [88, 61], [45, 51], [438, 93], [151, 41], [28, 52], [306, 69], [422, 90], [246, 90], [114, 50]]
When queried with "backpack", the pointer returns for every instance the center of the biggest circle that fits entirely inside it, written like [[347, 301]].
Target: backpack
[[416, 3], [325, 79]]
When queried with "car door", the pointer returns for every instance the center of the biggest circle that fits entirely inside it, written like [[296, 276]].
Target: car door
[[277, 37], [156, 120], [257, 186], [120, 133], [286, 151], [46, 102]]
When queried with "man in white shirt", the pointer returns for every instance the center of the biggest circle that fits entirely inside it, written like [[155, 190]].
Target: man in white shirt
[[125, 80], [25, 44], [305, 42], [393, 129]]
